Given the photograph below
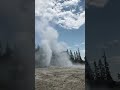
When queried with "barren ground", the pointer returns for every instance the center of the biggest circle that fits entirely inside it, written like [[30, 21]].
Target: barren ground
[[59, 79]]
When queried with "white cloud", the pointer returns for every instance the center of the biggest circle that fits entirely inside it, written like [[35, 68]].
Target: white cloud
[[97, 3], [55, 11], [69, 47], [109, 44], [80, 45], [113, 42], [83, 50], [76, 45], [83, 43]]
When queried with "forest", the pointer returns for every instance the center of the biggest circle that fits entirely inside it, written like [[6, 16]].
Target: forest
[[100, 76], [75, 57]]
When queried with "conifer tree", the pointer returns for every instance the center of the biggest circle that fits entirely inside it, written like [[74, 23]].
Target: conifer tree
[[88, 71], [71, 56], [102, 70], [67, 52], [97, 73], [79, 57], [108, 75], [74, 57], [76, 53]]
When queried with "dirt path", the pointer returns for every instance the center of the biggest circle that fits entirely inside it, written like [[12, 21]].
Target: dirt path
[[59, 79]]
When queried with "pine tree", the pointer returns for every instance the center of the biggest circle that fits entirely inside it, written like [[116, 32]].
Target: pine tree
[[102, 70], [88, 71], [76, 57], [67, 52], [71, 56], [108, 75], [97, 73], [79, 57]]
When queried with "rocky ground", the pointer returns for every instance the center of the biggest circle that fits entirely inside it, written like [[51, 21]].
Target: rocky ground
[[59, 78]]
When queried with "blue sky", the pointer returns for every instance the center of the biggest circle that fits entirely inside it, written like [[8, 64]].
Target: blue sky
[[74, 38]]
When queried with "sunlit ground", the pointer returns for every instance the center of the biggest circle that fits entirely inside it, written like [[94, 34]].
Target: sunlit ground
[[59, 78]]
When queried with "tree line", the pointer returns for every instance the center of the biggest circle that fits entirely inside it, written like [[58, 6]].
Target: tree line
[[75, 56], [100, 73]]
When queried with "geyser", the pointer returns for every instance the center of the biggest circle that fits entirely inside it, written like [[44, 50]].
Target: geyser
[[51, 52]]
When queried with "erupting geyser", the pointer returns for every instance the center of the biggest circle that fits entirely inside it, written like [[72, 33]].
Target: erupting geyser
[[51, 52], [48, 58], [66, 14]]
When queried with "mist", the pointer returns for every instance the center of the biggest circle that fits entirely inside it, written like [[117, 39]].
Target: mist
[[51, 52]]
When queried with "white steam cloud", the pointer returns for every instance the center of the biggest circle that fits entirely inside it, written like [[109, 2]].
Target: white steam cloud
[[51, 51], [67, 14], [97, 3]]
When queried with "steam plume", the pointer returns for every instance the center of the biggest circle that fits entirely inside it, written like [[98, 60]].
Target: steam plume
[[51, 51]]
